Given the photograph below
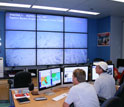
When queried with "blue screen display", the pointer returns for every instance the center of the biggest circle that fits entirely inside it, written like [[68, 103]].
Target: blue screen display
[[20, 57], [75, 56], [73, 40], [73, 24], [20, 21], [49, 56], [49, 40], [20, 39], [49, 23], [38, 39]]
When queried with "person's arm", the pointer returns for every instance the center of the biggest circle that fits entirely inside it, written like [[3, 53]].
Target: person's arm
[[65, 104], [97, 86], [70, 98]]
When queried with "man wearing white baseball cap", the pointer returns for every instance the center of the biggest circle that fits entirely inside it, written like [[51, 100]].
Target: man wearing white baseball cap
[[105, 84]]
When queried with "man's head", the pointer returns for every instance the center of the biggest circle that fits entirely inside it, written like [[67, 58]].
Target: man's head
[[101, 67], [78, 76]]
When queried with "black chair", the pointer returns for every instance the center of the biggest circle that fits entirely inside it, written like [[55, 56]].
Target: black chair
[[22, 79], [101, 100], [122, 79], [112, 102], [98, 59], [120, 93], [71, 105]]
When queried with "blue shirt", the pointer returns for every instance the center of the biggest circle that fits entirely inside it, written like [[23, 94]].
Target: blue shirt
[[105, 86], [83, 95]]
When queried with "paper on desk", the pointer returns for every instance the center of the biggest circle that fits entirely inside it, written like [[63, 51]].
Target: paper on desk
[[16, 96]]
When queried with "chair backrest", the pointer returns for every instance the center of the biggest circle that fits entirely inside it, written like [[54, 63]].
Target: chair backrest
[[112, 102], [98, 59], [122, 78], [22, 79], [120, 93]]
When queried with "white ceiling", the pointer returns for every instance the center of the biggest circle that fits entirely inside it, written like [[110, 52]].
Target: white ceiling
[[105, 7]]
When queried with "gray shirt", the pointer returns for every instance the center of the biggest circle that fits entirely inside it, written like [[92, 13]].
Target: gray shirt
[[105, 86], [83, 95]]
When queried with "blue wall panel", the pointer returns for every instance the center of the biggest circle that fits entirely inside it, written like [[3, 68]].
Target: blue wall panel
[[2, 34], [103, 26], [92, 39]]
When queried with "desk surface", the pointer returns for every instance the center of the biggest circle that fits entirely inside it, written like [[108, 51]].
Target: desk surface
[[46, 103]]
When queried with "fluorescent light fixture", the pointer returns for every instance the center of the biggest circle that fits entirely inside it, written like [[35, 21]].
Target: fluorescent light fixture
[[14, 5], [49, 8], [119, 1], [84, 12]]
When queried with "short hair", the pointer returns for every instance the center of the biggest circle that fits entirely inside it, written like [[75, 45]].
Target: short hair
[[80, 75]]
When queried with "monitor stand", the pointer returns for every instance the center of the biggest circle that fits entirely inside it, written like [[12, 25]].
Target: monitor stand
[[49, 93], [34, 92]]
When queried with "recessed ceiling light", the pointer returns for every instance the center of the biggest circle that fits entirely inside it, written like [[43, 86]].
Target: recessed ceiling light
[[84, 12], [119, 1], [49, 8], [14, 5]]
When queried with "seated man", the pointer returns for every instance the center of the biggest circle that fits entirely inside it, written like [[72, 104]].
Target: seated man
[[105, 84], [82, 94]]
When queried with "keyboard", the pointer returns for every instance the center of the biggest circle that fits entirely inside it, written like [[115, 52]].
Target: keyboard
[[61, 96]]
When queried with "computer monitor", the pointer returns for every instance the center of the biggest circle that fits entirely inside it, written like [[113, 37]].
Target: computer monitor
[[109, 71], [49, 78], [68, 72]]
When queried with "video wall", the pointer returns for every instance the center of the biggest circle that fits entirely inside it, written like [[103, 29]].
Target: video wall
[[38, 39]]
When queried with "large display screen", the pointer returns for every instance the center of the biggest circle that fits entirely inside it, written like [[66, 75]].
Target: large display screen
[[49, 23], [20, 57], [20, 39], [75, 56], [49, 40], [49, 56], [49, 78], [20, 21], [74, 40], [39, 39], [73, 24], [68, 73]]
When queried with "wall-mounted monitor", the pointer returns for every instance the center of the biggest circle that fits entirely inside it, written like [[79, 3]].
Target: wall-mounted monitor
[[73, 24], [49, 23], [75, 56], [20, 21], [49, 78], [20, 39], [49, 40], [110, 71], [68, 73], [39, 39], [75, 40], [20, 57], [49, 56]]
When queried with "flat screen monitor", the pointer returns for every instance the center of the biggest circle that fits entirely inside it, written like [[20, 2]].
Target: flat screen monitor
[[49, 78], [109, 71], [68, 72]]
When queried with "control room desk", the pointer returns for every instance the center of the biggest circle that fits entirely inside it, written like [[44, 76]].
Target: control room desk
[[46, 103]]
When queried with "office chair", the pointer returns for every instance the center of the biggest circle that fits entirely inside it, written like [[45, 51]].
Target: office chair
[[71, 105], [98, 59], [112, 102], [120, 93], [122, 78], [22, 79]]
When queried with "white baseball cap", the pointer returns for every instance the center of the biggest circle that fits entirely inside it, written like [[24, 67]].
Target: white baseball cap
[[102, 64]]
